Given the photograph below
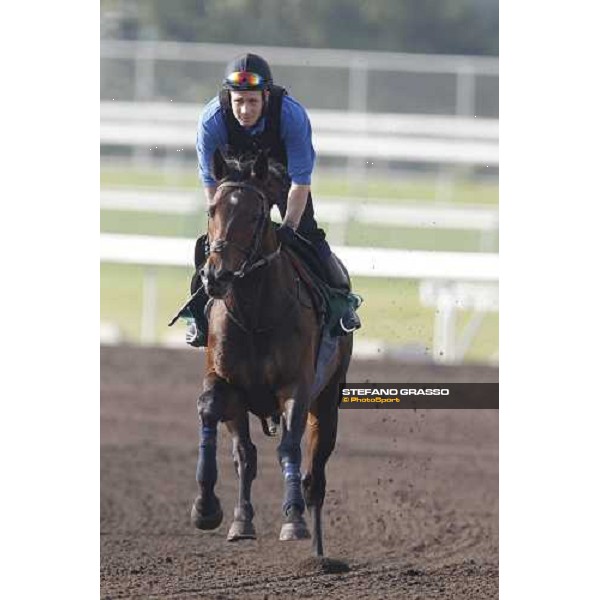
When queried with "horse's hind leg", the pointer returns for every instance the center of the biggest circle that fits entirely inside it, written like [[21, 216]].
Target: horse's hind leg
[[244, 458], [322, 432]]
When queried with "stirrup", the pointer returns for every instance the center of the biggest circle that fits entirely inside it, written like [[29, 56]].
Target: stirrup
[[355, 322], [193, 335], [351, 314]]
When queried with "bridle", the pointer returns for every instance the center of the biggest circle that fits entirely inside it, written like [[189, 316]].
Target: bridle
[[253, 259]]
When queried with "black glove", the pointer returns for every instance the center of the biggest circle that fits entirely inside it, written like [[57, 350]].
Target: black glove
[[286, 235]]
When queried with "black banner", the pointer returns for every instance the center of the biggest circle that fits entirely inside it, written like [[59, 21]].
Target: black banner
[[419, 395]]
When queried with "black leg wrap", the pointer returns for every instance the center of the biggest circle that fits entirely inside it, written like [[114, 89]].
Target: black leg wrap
[[293, 489], [206, 469]]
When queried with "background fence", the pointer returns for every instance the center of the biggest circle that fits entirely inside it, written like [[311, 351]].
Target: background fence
[[416, 137], [144, 71]]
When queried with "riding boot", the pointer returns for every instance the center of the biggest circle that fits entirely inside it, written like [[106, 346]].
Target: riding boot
[[339, 278], [196, 334]]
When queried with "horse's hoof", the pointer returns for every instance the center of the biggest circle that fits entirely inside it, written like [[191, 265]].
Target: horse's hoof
[[206, 521], [241, 530], [294, 531]]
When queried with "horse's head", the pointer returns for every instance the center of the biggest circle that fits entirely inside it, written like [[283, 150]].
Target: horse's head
[[239, 229]]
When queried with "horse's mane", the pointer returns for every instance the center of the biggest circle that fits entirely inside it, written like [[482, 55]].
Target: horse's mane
[[240, 169], [277, 170]]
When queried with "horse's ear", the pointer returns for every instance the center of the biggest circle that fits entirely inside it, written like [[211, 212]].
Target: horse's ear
[[260, 167], [220, 168]]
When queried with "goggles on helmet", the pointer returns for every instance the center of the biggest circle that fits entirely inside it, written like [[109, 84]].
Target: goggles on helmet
[[243, 79]]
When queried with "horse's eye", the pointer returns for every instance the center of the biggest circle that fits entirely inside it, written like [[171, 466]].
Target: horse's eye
[[211, 212]]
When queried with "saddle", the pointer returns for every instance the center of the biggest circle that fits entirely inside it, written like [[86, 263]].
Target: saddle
[[329, 303]]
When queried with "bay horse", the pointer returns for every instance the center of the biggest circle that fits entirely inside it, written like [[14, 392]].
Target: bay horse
[[263, 344]]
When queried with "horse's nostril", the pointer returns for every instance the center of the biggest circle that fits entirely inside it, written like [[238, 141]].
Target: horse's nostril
[[217, 279]]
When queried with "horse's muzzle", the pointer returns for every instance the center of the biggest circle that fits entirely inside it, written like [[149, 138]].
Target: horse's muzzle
[[216, 283]]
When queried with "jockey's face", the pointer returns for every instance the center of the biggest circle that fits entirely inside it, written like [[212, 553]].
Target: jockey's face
[[247, 107]]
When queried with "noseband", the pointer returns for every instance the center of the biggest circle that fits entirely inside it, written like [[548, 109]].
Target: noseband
[[253, 261]]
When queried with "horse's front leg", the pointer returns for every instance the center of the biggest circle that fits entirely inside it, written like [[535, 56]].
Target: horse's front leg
[[290, 457], [206, 510], [244, 458]]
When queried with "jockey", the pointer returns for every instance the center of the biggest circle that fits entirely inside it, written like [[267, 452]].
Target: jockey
[[251, 114]]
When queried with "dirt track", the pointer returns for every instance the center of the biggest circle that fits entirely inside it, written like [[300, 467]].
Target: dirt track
[[411, 507]]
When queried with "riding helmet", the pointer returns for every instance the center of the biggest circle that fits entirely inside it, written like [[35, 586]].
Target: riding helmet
[[243, 67]]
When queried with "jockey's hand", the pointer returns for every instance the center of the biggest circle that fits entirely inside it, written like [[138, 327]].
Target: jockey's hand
[[285, 234]]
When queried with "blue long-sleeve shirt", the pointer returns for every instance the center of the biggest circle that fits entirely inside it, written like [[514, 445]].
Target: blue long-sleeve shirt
[[296, 133]]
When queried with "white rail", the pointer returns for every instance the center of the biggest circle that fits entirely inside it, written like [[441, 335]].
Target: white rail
[[321, 120], [330, 209], [338, 212], [302, 57], [365, 262], [450, 281], [413, 138], [140, 200]]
